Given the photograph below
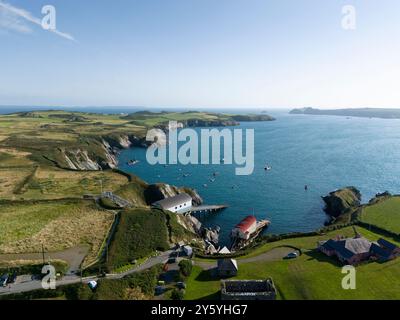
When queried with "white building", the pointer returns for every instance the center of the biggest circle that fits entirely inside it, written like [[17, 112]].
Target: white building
[[224, 250], [245, 228], [180, 203], [188, 250]]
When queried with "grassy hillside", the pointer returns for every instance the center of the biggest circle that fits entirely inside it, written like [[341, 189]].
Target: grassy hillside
[[134, 191], [311, 276], [25, 226], [384, 214], [140, 232], [53, 183]]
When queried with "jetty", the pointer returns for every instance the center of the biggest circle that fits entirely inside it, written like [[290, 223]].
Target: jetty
[[208, 208]]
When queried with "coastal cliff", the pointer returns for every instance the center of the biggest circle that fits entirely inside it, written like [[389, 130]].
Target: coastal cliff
[[341, 202], [95, 153]]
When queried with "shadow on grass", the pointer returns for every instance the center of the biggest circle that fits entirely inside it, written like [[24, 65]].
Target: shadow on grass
[[214, 296], [170, 276], [319, 256], [207, 275]]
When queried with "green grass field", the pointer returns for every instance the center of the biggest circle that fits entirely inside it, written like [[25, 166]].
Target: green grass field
[[140, 232], [53, 183], [311, 276], [58, 225], [384, 214]]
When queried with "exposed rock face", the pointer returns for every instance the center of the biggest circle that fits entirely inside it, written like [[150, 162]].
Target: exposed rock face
[[94, 154], [79, 160], [210, 249], [211, 235], [340, 201], [190, 223]]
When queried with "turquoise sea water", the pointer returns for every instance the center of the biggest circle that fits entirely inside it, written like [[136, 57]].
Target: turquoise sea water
[[323, 152]]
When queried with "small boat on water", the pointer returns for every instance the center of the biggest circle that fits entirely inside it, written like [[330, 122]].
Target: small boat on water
[[267, 167], [132, 162]]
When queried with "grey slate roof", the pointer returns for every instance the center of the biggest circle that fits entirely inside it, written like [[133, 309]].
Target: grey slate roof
[[173, 201], [388, 245], [379, 251], [227, 264], [349, 247]]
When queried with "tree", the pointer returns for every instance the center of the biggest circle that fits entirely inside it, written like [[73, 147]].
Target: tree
[[186, 267], [177, 294]]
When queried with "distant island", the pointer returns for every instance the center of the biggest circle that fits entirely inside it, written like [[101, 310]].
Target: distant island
[[357, 112]]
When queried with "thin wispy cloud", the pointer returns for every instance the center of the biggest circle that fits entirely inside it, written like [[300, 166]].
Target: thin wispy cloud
[[13, 18]]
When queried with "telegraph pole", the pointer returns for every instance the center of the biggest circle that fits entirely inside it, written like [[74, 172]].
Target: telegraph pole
[[43, 254]]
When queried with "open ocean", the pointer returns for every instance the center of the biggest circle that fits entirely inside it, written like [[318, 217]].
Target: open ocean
[[323, 152]]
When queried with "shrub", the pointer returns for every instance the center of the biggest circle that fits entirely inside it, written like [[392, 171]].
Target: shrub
[[177, 294], [186, 267]]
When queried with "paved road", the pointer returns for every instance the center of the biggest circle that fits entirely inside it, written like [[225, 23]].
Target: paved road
[[25, 284], [73, 256]]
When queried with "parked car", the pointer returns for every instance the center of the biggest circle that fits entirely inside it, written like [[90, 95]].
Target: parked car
[[174, 254], [171, 260], [159, 290], [292, 255], [92, 285], [3, 280], [12, 278], [181, 285]]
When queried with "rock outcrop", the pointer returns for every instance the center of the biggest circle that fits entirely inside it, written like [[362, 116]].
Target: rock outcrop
[[211, 235], [190, 223], [341, 201]]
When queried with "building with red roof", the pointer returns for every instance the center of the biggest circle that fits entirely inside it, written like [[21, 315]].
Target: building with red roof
[[245, 228]]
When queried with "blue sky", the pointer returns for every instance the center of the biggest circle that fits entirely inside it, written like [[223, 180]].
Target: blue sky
[[201, 53]]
